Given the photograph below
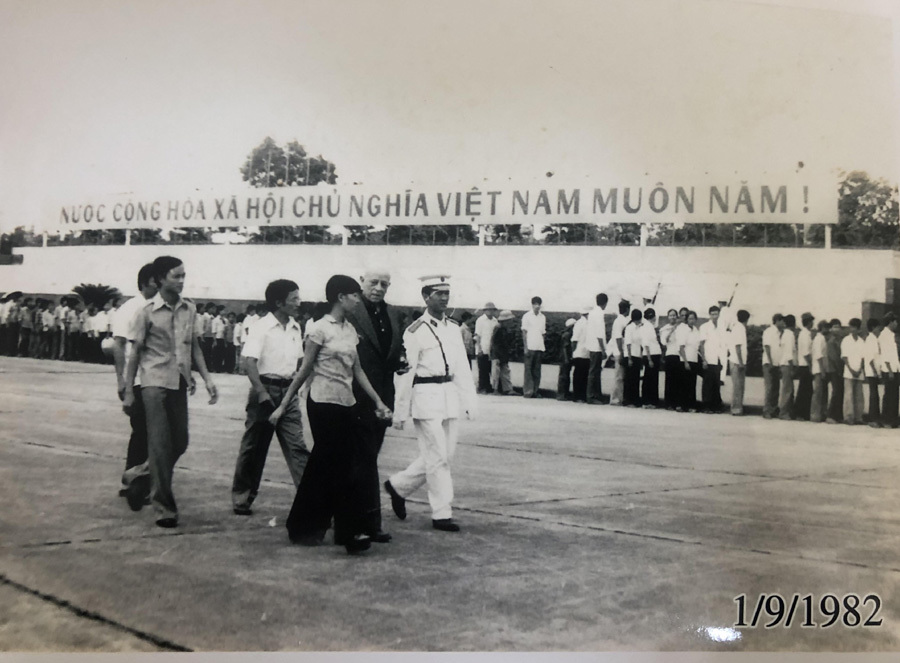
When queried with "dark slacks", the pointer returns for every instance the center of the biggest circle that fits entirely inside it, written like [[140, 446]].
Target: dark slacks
[[167, 440], [711, 389], [889, 404], [366, 468], [631, 391], [772, 384], [562, 383], [674, 380], [484, 373], [137, 443], [580, 375], [689, 391], [328, 487], [251, 460], [595, 368], [532, 378], [874, 413], [24, 341], [803, 400], [836, 402], [650, 385]]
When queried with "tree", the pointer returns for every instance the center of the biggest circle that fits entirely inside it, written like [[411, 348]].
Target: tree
[[96, 294], [867, 212]]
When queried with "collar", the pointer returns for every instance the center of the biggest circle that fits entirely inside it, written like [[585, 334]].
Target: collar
[[434, 321], [158, 302], [269, 321], [331, 319], [370, 307]]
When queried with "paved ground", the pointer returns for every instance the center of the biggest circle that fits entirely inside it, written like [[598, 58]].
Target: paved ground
[[585, 528]]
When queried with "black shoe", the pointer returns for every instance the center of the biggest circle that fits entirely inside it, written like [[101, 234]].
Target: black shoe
[[445, 525], [307, 539], [243, 510], [167, 522], [380, 536], [358, 544], [136, 492], [398, 504]]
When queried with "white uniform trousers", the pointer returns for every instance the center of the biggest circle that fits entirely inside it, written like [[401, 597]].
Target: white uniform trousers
[[437, 444]]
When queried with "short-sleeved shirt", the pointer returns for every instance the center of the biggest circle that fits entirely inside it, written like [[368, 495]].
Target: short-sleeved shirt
[[872, 354], [804, 346], [715, 348], [631, 338], [48, 320], [332, 377], [618, 331], [596, 329], [819, 350], [772, 338], [788, 348], [238, 333], [854, 351], [737, 337], [689, 338], [167, 334], [649, 339], [484, 330], [100, 322], [217, 325], [888, 343], [123, 325], [536, 326], [579, 338], [276, 348], [668, 338]]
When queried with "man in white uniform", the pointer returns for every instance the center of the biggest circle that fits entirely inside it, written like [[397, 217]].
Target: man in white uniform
[[435, 392]]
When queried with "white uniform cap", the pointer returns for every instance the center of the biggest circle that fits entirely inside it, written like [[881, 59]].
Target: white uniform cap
[[438, 281]]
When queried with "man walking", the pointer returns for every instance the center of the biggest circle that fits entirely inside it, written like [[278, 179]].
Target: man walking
[[380, 351], [484, 331], [272, 354], [435, 393], [534, 327]]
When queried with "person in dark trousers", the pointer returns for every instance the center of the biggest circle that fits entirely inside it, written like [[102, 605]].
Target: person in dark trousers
[[380, 351], [503, 344], [819, 370], [668, 337], [890, 370], [272, 355], [632, 356], [534, 327], [652, 357], [595, 343], [835, 365], [329, 488], [803, 370], [872, 355], [565, 361]]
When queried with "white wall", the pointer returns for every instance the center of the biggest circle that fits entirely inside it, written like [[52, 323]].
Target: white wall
[[828, 283]]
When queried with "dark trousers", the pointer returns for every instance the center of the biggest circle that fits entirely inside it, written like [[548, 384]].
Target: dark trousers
[[532, 381], [874, 414], [672, 391], [366, 468], [258, 432], [167, 440], [650, 386], [137, 443], [631, 394], [206, 346], [689, 393], [580, 375], [594, 386], [329, 488], [772, 385], [24, 341], [836, 402], [484, 373], [803, 399], [889, 404], [11, 343], [229, 362], [711, 389], [562, 383]]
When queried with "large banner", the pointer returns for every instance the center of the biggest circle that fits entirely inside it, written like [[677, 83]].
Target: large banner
[[725, 202]]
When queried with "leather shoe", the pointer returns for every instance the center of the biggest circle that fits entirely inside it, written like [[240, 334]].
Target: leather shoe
[[307, 539], [398, 504], [167, 522], [445, 525], [380, 536], [243, 510], [136, 492], [358, 544]]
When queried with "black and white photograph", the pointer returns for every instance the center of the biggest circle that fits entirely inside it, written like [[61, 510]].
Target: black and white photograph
[[472, 327]]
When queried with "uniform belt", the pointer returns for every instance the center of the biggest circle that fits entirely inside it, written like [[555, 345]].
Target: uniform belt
[[275, 382], [437, 379]]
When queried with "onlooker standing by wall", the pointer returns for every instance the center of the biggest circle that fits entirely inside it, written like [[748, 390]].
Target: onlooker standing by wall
[[595, 345], [890, 367], [502, 344], [484, 331], [835, 364], [668, 337], [738, 350], [534, 326], [689, 349], [853, 352], [819, 371], [465, 328], [771, 359], [581, 357], [713, 355], [873, 371], [803, 402], [788, 352], [633, 360], [565, 361], [652, 355], [617, 350]]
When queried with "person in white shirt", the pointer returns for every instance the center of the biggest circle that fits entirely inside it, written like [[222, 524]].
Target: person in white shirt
[[484, 331], [62, 316], [581, 356], [803, 370], [853, 353], [249, 319], [617, 350], [688, 337], [238, 340], [771, 363], [595, 345], [565, 361], [672, 360], [534, 326], [873, 371], [217, 327], [788, 352], [819, 369], [633, 360], [651, 350], [890, 371], [713, 356], [738, 350]]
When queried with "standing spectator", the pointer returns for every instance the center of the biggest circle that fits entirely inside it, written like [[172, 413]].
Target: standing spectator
[[633, 360], [217, 327], [534, 326], [208, 342], [468, 336], [713, 355], [163, 346], [595, 345], [872, 371], [819, 371], [48, 330], [37, 326], [26, 326], [13, 323], [617, 350], [581, 357], [652, 354], [238, 341], [738, 349], [503, 343], [668, 337], [890, 367], [788, 352], [803, 402], [853, 353], [835, 364], [565, 361], [771, 359], [688, 336], [230, 325], [62, 318], [74, 340], [484, 330]]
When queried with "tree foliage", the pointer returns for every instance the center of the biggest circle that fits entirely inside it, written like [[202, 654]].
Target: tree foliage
[[867, 212], [96, 294]]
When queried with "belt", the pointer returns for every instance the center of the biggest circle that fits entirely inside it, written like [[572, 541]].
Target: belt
[[275, 382], [437, 379]]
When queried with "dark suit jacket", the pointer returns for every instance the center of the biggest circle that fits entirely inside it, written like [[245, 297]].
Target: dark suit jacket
[[378, 363]]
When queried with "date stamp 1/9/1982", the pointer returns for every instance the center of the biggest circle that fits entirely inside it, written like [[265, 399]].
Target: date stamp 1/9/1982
[[773, 610]]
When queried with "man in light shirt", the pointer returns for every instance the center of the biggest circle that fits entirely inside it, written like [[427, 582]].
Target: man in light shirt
[[633, 359], [713, 355], [217, 327], [771, 360], [484, 332], [581, 357], [651, 349], [890, 371], [272, 354], [534, 326], [803, 402], [819, 370], [873, 371], [788, 353], [595, 345], [738, 349], [853, 353], [617, 350]]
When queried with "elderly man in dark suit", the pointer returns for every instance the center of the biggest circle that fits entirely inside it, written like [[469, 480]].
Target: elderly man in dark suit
[[380, 351]]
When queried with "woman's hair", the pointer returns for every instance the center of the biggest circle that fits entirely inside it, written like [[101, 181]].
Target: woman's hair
[[340, 284]]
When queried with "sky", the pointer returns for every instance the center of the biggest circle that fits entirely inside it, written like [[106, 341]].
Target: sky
[[102, 97]]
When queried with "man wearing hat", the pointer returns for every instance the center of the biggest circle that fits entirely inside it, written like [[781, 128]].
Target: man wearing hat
[[484, 331], [435, 392], [803, 400], [503, 343]]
